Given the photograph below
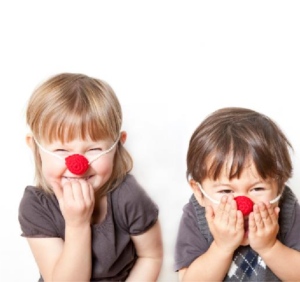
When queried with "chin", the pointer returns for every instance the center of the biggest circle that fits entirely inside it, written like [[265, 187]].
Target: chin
[[245, 241]]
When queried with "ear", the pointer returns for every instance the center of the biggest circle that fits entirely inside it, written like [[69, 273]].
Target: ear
[[29, 140], [123, 137], [197, 192]]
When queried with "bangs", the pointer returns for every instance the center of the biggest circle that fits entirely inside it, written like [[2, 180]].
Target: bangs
[[232, 154], [78, 110], [77, 125]]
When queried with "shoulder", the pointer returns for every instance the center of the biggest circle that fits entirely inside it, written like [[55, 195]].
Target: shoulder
[[36, 199], [191, 242], [288, 206], [129, 184], [33, 198], [39, 213], [289, 219], [192, 213], [129, 191], [134, 210]]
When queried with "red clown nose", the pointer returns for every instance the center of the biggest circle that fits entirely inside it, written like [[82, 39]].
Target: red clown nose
[[77, 164], [244, 204]]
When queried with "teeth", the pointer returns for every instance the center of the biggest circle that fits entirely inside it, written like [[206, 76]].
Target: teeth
[[76, 178]]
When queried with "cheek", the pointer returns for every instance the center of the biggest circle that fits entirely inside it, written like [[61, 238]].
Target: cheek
[[52, 168], [103, 166]]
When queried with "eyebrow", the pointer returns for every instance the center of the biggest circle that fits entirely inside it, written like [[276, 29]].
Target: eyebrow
[[229, 185]]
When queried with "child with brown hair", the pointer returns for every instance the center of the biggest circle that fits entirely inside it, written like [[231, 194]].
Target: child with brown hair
[[87, 218], [242, 222]]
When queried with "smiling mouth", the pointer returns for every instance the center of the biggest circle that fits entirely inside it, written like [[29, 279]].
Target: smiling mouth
[[77, 178]]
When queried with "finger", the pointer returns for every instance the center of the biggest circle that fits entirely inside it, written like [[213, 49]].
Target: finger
[[277, 210], [209, 214], [221, 208], [264, 213], [92, 192], [251, 224], [85, 190], [257, 217], [228, 206], [273, 213], [239, 221], [77, 191], [68, 192], [58, 190], [226, 213], [233, 215]]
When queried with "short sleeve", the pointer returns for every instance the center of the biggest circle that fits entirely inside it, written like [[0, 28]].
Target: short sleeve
[[292, 239], [190, 242], [136, 212], [39, 216]]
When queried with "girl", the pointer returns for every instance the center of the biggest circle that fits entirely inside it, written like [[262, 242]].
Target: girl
[[86, 219], [238, 157]]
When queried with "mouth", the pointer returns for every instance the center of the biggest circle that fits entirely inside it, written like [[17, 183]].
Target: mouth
[[77, 178]]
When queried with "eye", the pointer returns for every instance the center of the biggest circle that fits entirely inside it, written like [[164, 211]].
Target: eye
[[96, 149], [225, 191], [60, 150], [258, 189]]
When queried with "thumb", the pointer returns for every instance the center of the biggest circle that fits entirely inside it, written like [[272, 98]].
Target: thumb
[[277, 210], [58, 190], [209, 214]]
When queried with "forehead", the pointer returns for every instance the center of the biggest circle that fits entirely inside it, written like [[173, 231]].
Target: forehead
[[230, 168], [248, 177], [248, 174]]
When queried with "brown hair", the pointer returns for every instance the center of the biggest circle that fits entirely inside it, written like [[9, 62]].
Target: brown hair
[[69, 106], [239, 134]]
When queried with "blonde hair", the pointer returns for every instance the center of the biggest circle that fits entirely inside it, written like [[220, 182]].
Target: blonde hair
[[69, 106]]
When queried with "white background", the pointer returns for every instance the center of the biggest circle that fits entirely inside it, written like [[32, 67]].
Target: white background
[[171, 63]]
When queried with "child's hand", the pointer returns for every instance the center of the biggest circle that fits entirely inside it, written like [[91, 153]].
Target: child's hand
[[226, 225], [76, 201], [263, 227]]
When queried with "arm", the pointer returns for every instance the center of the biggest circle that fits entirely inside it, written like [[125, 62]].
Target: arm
[[211, 266], [150, 252], [263, 228], [227, 229], [64, 261], [286, 262], [68, 260]]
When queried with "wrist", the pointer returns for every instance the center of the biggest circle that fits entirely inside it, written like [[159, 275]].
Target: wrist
[[222, 251], [267, 252], [76, 229]]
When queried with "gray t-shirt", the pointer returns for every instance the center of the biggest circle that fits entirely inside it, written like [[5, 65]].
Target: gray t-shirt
[[192, 243], [130, 211]]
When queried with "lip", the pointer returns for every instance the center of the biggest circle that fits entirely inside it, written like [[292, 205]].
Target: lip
[[69, 178]]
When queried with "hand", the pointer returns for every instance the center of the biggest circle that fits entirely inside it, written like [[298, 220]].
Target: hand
[[76, 201], [263, 227], [226, 225]]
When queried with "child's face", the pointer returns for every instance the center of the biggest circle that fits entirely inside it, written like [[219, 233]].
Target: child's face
[[99, 171], [249, 184]]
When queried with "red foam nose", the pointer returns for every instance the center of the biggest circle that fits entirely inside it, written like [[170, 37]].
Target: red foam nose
[[244, 204], [77, 164]]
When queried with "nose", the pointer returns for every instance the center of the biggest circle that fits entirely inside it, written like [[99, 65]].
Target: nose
[[244, 204], [77, 164]]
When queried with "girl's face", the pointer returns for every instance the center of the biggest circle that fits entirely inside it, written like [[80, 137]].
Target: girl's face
[[99, 171], [249, 184]]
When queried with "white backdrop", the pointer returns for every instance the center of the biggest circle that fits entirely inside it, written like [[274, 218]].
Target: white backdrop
[[171, 63]]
